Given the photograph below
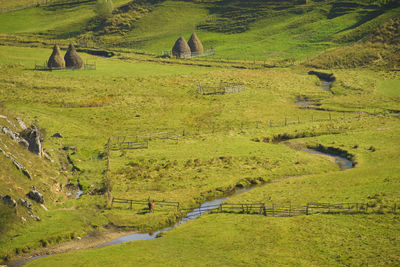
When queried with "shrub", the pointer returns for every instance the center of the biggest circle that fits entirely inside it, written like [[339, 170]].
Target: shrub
[[104, 8]]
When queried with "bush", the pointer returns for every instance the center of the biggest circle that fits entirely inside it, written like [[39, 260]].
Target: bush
[[104, 8]]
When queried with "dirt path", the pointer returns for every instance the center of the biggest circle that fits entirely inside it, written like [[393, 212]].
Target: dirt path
[[95, 238]]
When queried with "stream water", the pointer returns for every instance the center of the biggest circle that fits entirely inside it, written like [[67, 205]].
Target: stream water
[[207, 206], [325, 85]]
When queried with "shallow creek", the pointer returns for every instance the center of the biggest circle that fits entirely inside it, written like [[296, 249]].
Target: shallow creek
[[207, 206]]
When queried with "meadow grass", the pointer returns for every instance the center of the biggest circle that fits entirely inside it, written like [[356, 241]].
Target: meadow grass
[[134, 97], [245, 240]]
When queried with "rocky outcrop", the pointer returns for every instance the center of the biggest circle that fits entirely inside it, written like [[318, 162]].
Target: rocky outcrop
[[21, 123], [7, 200], [26, 204], [36, 196], [58, 135], [10, 122], [17, 164], [33, 136], [14, 136]]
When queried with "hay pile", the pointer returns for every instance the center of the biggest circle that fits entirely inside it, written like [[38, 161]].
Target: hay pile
[[195, 45], [72, 59], [181, 48], [56, 60]]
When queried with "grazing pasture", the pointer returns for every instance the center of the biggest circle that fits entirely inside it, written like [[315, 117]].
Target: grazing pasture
[[216, 144]]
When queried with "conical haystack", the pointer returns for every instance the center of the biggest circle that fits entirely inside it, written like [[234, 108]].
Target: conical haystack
[[56, 60], [181, 48], [195, 44], [72, 59]]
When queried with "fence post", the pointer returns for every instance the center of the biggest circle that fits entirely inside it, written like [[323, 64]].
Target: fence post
[[330, 117], [285, 121], [290, 209], [273, 209], [307, 209]]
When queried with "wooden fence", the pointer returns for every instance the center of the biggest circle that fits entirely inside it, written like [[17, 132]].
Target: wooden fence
[[140, 141], [131, 202], [270, 209], [224, 88]]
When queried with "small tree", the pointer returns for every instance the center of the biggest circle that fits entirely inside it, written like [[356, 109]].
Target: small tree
[[104, 8]]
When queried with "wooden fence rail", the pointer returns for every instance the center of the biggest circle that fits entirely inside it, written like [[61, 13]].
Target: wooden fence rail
[[223, 88], [272, 209], [132, 202], [140, 141]]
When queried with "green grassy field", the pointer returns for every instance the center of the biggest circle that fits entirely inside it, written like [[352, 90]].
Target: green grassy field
[[223, 141], [217, 152], [264, 30]]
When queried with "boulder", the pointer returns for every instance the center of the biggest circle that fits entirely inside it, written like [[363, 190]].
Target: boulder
[[9, 201], [25, 203], [58, 135], [7, 131], [23, 143], [36, 196], [21, 123], [32, 135]]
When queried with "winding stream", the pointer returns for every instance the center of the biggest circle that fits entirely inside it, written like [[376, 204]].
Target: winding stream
[[207, 206]]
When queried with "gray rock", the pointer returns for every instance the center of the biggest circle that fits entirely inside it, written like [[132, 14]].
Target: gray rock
[[25, 203], [58, 135], [10, 122], [23, 143], [7, 131], [36, 196], [32, 135], [9, 201], [69, 148], [21, 123], [14, 136], [17, 164]]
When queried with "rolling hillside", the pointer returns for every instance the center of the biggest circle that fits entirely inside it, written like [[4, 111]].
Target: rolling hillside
[[236, 29], [197, 136]]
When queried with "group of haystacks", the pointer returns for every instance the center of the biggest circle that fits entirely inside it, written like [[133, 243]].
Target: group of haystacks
[[70, 60], [188, 49]]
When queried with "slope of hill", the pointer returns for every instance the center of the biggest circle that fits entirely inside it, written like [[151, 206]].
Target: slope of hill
[[236, 29], [379, 50], [210, 144]]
